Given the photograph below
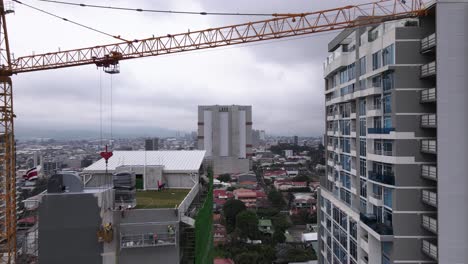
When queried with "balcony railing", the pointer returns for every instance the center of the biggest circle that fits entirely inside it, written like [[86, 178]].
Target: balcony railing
[[429, 197], [380, 130], [429, 172], [371, 221], [428, 42], [429, 249], [385, 178], [428, 95], [147, 240], [429, 146], [428, 69], [429, 120], [383, 152], [377, 196], [429, 223]]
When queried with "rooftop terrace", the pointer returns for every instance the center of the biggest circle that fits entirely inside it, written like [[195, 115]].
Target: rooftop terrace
[[168, 198]]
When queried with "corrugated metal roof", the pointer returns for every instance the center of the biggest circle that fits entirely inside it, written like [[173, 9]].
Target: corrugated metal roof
[[177, 160]]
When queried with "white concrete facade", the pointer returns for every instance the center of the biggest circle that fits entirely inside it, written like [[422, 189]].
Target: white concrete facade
[[225, 132]]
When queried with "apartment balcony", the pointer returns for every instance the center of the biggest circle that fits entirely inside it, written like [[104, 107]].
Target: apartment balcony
[[380, 130], [428, 70], [429, 146], [385, 178], [429, 223], [376, 199], [330, 117], [429, 121], [429, 172], [382, 152], [428, 43], [374, 110], [371, 221], [428, 95], [147, 240], [429, 197], [430, 249]]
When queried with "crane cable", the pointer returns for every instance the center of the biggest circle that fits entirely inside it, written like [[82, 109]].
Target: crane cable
[[163, 11], [70, 21], [100, 109], [111, 143]]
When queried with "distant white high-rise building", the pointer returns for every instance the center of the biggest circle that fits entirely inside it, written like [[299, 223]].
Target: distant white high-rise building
[[225, 132]]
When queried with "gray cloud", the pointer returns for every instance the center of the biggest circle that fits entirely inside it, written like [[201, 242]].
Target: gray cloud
[[282, 80]]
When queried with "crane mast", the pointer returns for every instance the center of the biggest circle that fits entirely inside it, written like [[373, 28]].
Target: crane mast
[[109, 56], [7, 149]]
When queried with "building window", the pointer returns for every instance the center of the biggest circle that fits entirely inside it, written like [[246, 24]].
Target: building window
[[388, 197], [353, 249], [388, 122], [362, 65], [363, 186], [387, 217], [362, 107], [362, 148], [377, 81], [388, 55], [343, 76], [362, 126], [345, 196], [351, 71], [362, 84], [377, 122], [353, 228], [377, 60], [346, 180], [362, 168], [387, 147], [387, 103], [363, 206], [387, 81], [346, 145]]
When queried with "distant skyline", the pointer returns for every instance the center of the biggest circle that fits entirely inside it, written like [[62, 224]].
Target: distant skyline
[[282, 80]]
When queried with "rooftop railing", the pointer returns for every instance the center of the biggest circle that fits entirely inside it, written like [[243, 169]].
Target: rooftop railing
[[428, 42]]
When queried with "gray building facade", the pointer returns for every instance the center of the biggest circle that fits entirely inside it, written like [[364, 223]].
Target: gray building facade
[[152, 144], [225, 132], [394, 188]]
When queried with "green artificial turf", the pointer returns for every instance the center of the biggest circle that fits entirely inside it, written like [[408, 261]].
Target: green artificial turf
[[168, 198]]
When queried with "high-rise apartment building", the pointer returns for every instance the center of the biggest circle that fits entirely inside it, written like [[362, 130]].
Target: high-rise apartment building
[[152, 144], [225, 132], [395, 188]]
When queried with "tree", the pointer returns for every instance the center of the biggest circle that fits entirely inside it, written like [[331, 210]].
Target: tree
[[281, 223], [278, 237], [301, 178], [231, 209], [276, 198], [247, 258], [224, 177], [247, 224]]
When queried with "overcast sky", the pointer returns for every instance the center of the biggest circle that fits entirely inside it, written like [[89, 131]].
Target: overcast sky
[[282, 80]]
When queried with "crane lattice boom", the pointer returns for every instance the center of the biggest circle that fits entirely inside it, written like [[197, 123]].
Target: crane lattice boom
[[284, 25]]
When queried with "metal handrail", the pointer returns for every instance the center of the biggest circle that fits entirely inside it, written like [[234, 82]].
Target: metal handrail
[[428, 42], [428, 95], [429, 197], [148, 240], [429, 223], [429, 145], [383, 152], [429, 171], [429, 248], [429, 120], [428, 69]]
